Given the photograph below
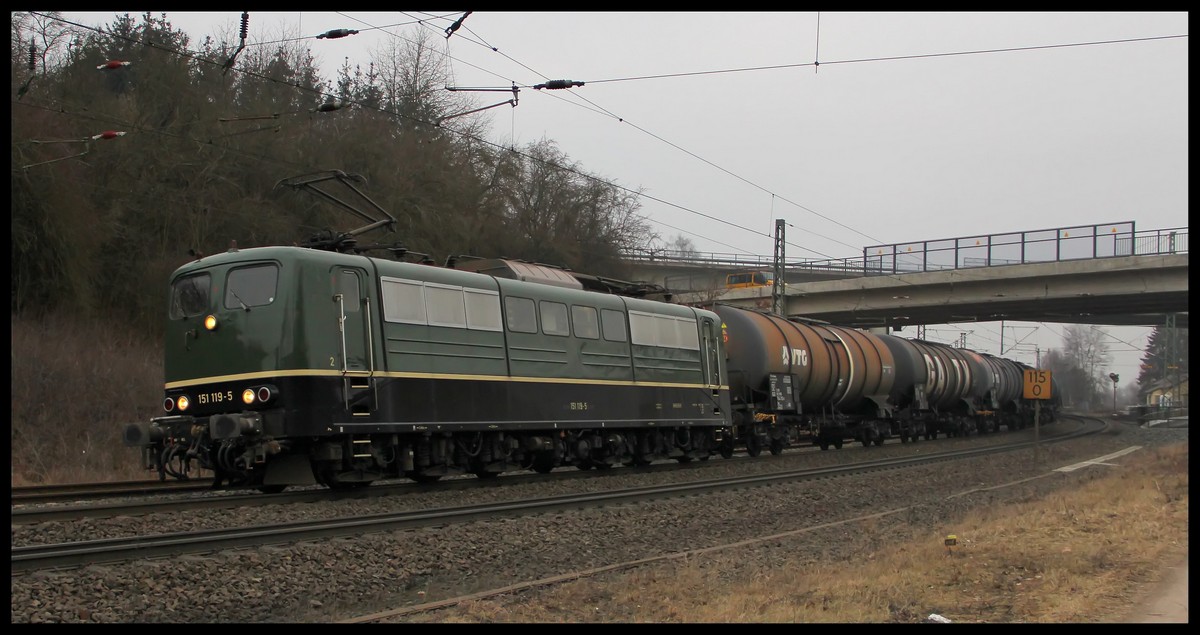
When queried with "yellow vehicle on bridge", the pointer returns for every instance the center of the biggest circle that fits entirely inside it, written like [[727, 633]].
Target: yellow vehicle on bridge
[[749, 279]]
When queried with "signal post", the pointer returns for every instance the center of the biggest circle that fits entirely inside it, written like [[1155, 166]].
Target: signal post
[[1037, 388]]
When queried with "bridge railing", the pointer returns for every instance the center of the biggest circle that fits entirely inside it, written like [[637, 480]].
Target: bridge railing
[[1108, 240]]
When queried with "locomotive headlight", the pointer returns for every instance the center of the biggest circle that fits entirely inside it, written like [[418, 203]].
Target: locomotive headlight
[[210, 322], [248, 396], [168, 404], [183, 402]]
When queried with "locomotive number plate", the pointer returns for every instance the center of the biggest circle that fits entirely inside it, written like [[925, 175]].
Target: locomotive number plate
[[214, 397]]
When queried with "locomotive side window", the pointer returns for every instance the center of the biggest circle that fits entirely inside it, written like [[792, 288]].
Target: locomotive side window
[[483, 310], [583, 318], [251, 286], [403, 301], [189, 296], [347, 285], [663, 330], [686, 334], [613, 324], [522, 316], [641, 326], [554, 318], [445, 306]]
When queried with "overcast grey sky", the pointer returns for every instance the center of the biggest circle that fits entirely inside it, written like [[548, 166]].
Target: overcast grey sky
[[959, 138]]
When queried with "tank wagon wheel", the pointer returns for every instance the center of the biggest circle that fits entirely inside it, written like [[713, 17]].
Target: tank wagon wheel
[[684, 459], [824, 445], [879, 439], [636, 460], [837, 444], [271, 489], [753, 446], [903, 437], [726, 450]]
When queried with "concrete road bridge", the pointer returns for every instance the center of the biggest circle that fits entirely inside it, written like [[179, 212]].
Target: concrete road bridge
[[1111, 274]]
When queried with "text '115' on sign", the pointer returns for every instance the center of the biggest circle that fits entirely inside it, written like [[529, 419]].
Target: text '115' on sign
[[1037, 384]]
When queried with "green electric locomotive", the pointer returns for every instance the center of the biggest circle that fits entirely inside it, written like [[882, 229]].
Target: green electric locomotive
[[291, 365]]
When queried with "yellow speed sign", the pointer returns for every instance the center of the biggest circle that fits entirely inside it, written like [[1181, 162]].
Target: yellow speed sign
[[1037, 384]]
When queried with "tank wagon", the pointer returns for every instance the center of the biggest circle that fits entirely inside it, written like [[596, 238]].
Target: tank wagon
[[289, 365], [799, 380]]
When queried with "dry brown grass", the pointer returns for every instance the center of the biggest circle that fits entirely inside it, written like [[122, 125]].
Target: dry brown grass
[[75, 384], [1084, 555]]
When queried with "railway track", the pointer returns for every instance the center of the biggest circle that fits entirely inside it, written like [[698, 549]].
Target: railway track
[[122, 549], [30, 503], [40, 494]]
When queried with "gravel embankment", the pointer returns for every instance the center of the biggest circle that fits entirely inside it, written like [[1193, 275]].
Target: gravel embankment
[[336, 579]]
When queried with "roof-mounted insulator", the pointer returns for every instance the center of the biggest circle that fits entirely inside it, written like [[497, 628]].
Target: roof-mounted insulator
[[555, 84], [32, 57], [112, 64], [336, 33]]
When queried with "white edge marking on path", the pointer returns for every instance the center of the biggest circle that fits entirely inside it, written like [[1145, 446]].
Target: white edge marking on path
[[1099, 460]]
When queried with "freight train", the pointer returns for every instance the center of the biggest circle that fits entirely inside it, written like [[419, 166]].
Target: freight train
[[793, 379], [293, 365]]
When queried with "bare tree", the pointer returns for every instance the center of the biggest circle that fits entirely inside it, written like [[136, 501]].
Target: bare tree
[[1084, 348]]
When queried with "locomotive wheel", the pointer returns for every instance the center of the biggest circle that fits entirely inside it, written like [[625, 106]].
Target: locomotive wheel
[[684, 459], [837, 444], [423, 478], [271, 489], [879, 440], [776, 447], [543, 462], [903, 437], [824, 445], [727, 450]]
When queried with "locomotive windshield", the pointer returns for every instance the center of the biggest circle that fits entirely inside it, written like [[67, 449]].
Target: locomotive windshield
[[251, 286], [189, 296]]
